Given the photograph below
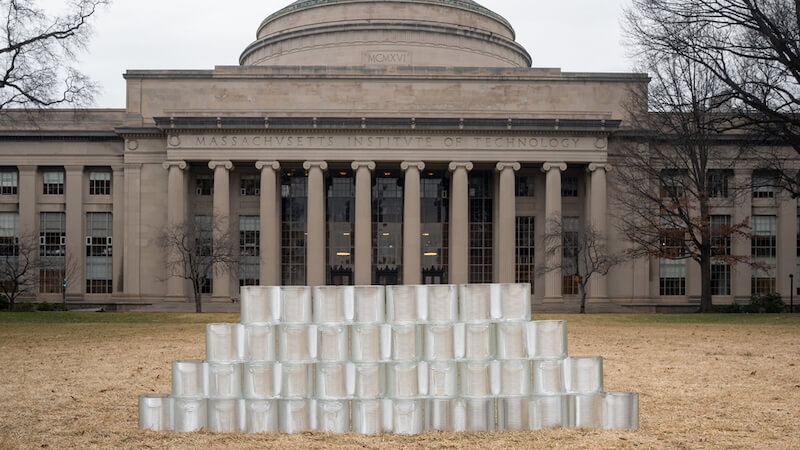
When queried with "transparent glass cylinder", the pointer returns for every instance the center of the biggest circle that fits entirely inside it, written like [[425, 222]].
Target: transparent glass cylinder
[[512, 413], [479, 341], [515, 378], [260, 304], [331, 304], [332, 343], [440, 342], [260, 380], [295, 304], [442, 379], [547, 339], [367, 416], [514, 302], [475, 301], [295, 416], [408, 416], [584, 375], [224, 380], [332, 380], [585, 410], [475, 379], [405, 380], [155, 412], [333, 416], [297, 380], [621, 411], [189, 414], [365, 343], [548, 376], [511, 340], [259, 342], [226, 416], [224, 342], [442, 414], [548, 411], [261, 416], [369, 304], [442, 303], [479, 414], [370, 380], [295, 342], [401, 303], [406, 342], [189, 379]]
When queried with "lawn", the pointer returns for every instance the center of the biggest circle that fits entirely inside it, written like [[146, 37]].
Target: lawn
[[711, 381]]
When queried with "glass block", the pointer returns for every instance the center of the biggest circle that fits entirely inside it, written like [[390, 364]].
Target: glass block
[[260, 380], [295, 304], [408, 416], [259, 342], [260, 304], [584, 375], [548, 411], [332, 343], [189, 414], [367, 416], [365, 343], [442, 379], [369, 304], [189, 379], [224, 380], [442, 414], [515, 378], [480, 414], [226, 416], [331, 302], [621, 411], [331, 380], [548, 376], [406, 342], [295, 416], [547, 339], [401, 303], [404, 380], [442, 303], [333, 416], [261, 416], [294, 342], [514, 302], [475, 378], [370, 380], [297, 380], [512, 413], [224, 342], [479, 341], [155, 412], [439, 342], [475, 302], [585, 410], [511, 340]]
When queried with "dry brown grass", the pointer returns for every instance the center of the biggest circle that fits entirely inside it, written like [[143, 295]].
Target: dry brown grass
[[68, 385]]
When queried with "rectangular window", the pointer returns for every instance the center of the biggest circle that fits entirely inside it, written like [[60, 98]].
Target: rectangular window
[[203, 231], [52, 251], [8, 182], [250, 185], [340, 213], [764, 252], [99, 183], [525, 186], [387, 228], [9, 245], [672, 265], [764, 184], [99, 264], [569, 186], [435, 210], [569, 263], [53, 182], [480, 226], [717, 183], [673, 183], [293, 227], [205, 185], [720, 247], [525, 269], [249, 250]]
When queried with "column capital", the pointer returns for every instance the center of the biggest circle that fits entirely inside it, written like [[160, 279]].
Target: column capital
[[548, 166], [596, 166], [460, 164], [227, 165], [27, 168], [405, 165], [261, 165], [321, 164], [503, 165], [179, 164], [118, 168], [355, 165]]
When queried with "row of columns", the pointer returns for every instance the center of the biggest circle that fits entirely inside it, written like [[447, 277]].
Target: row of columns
[[458, 232]]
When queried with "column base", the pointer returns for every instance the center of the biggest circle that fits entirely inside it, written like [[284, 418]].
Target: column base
[[559, 299]]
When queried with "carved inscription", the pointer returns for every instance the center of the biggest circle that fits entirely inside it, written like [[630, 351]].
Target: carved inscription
[[397, 58]]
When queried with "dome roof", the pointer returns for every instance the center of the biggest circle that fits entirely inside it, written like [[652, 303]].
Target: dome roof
[[457, 33]]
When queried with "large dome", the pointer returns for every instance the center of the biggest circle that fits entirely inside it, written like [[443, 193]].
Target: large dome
[[458, 33]]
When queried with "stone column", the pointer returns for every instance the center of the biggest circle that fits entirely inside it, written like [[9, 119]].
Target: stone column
[[787, 243], [133, 181], [315, 250], [75, 263], [221, 223], [26, 195], [459, 222], [506, 230], [176, 198], [363, 224], [742, 274], [552, 208], [412, 226], [269, 222], [598, 285], [118, 228]]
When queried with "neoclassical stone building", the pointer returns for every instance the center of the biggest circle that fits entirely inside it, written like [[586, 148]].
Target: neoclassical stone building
[[358, 142]]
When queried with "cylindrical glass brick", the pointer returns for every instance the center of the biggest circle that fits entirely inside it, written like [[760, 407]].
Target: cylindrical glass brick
[[621, 411], [155, 412], [480, 414], [585, 410], [584, 375], [365, 343], [512, 413], [189, 379], [259, 380], [370, 380], [259, 342], [260, 304], [408, 416], [475, 379], [367, 416], [333, 416], [548, 411], [401, 303], [442, 303], [369, 304], [224, 380], [442, 379], [332, 343], [439, 342], [403, 380], [261, 416], [479, 341], [331, 302], [295, 416], [475, 302], [331, 380], [224, 342], [547, 339], [226, 416], [294, 343], [515, 378], [297, 380], [189, 414], [406, 342], [441, 414], [295, 304], [515, 302], [511, 340], [548, 376]]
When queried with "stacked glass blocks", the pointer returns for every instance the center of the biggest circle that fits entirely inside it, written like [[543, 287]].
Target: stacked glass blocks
[[395, 359]]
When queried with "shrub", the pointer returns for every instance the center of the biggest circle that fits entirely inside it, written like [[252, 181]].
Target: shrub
[[44, 306], [733, 308], [4, 302], [768, 303], [24, 307]]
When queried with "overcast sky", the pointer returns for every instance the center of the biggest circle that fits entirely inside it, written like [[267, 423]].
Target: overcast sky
[[575, 35]]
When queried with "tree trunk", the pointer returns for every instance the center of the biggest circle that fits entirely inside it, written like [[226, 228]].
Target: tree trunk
[[583, 301]]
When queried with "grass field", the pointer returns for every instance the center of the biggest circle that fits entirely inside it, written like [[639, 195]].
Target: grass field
[[71, 380]]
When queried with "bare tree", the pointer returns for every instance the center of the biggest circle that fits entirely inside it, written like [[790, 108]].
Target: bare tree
[[196, 250], [38, 55], [19, 268]]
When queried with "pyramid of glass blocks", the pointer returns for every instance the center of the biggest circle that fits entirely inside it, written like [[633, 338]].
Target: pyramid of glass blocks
[[394, 359]]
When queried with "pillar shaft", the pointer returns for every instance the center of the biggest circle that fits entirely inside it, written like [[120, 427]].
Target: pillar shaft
[[315, 257], [75, 264], [118, 228], [412, 226], [26, 194], [176, 198], [133, 241], [742, 274], [363, 222], [221, 224], [598, 288], [553, 278], [269, 223], [459, 222], [506, 223]]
